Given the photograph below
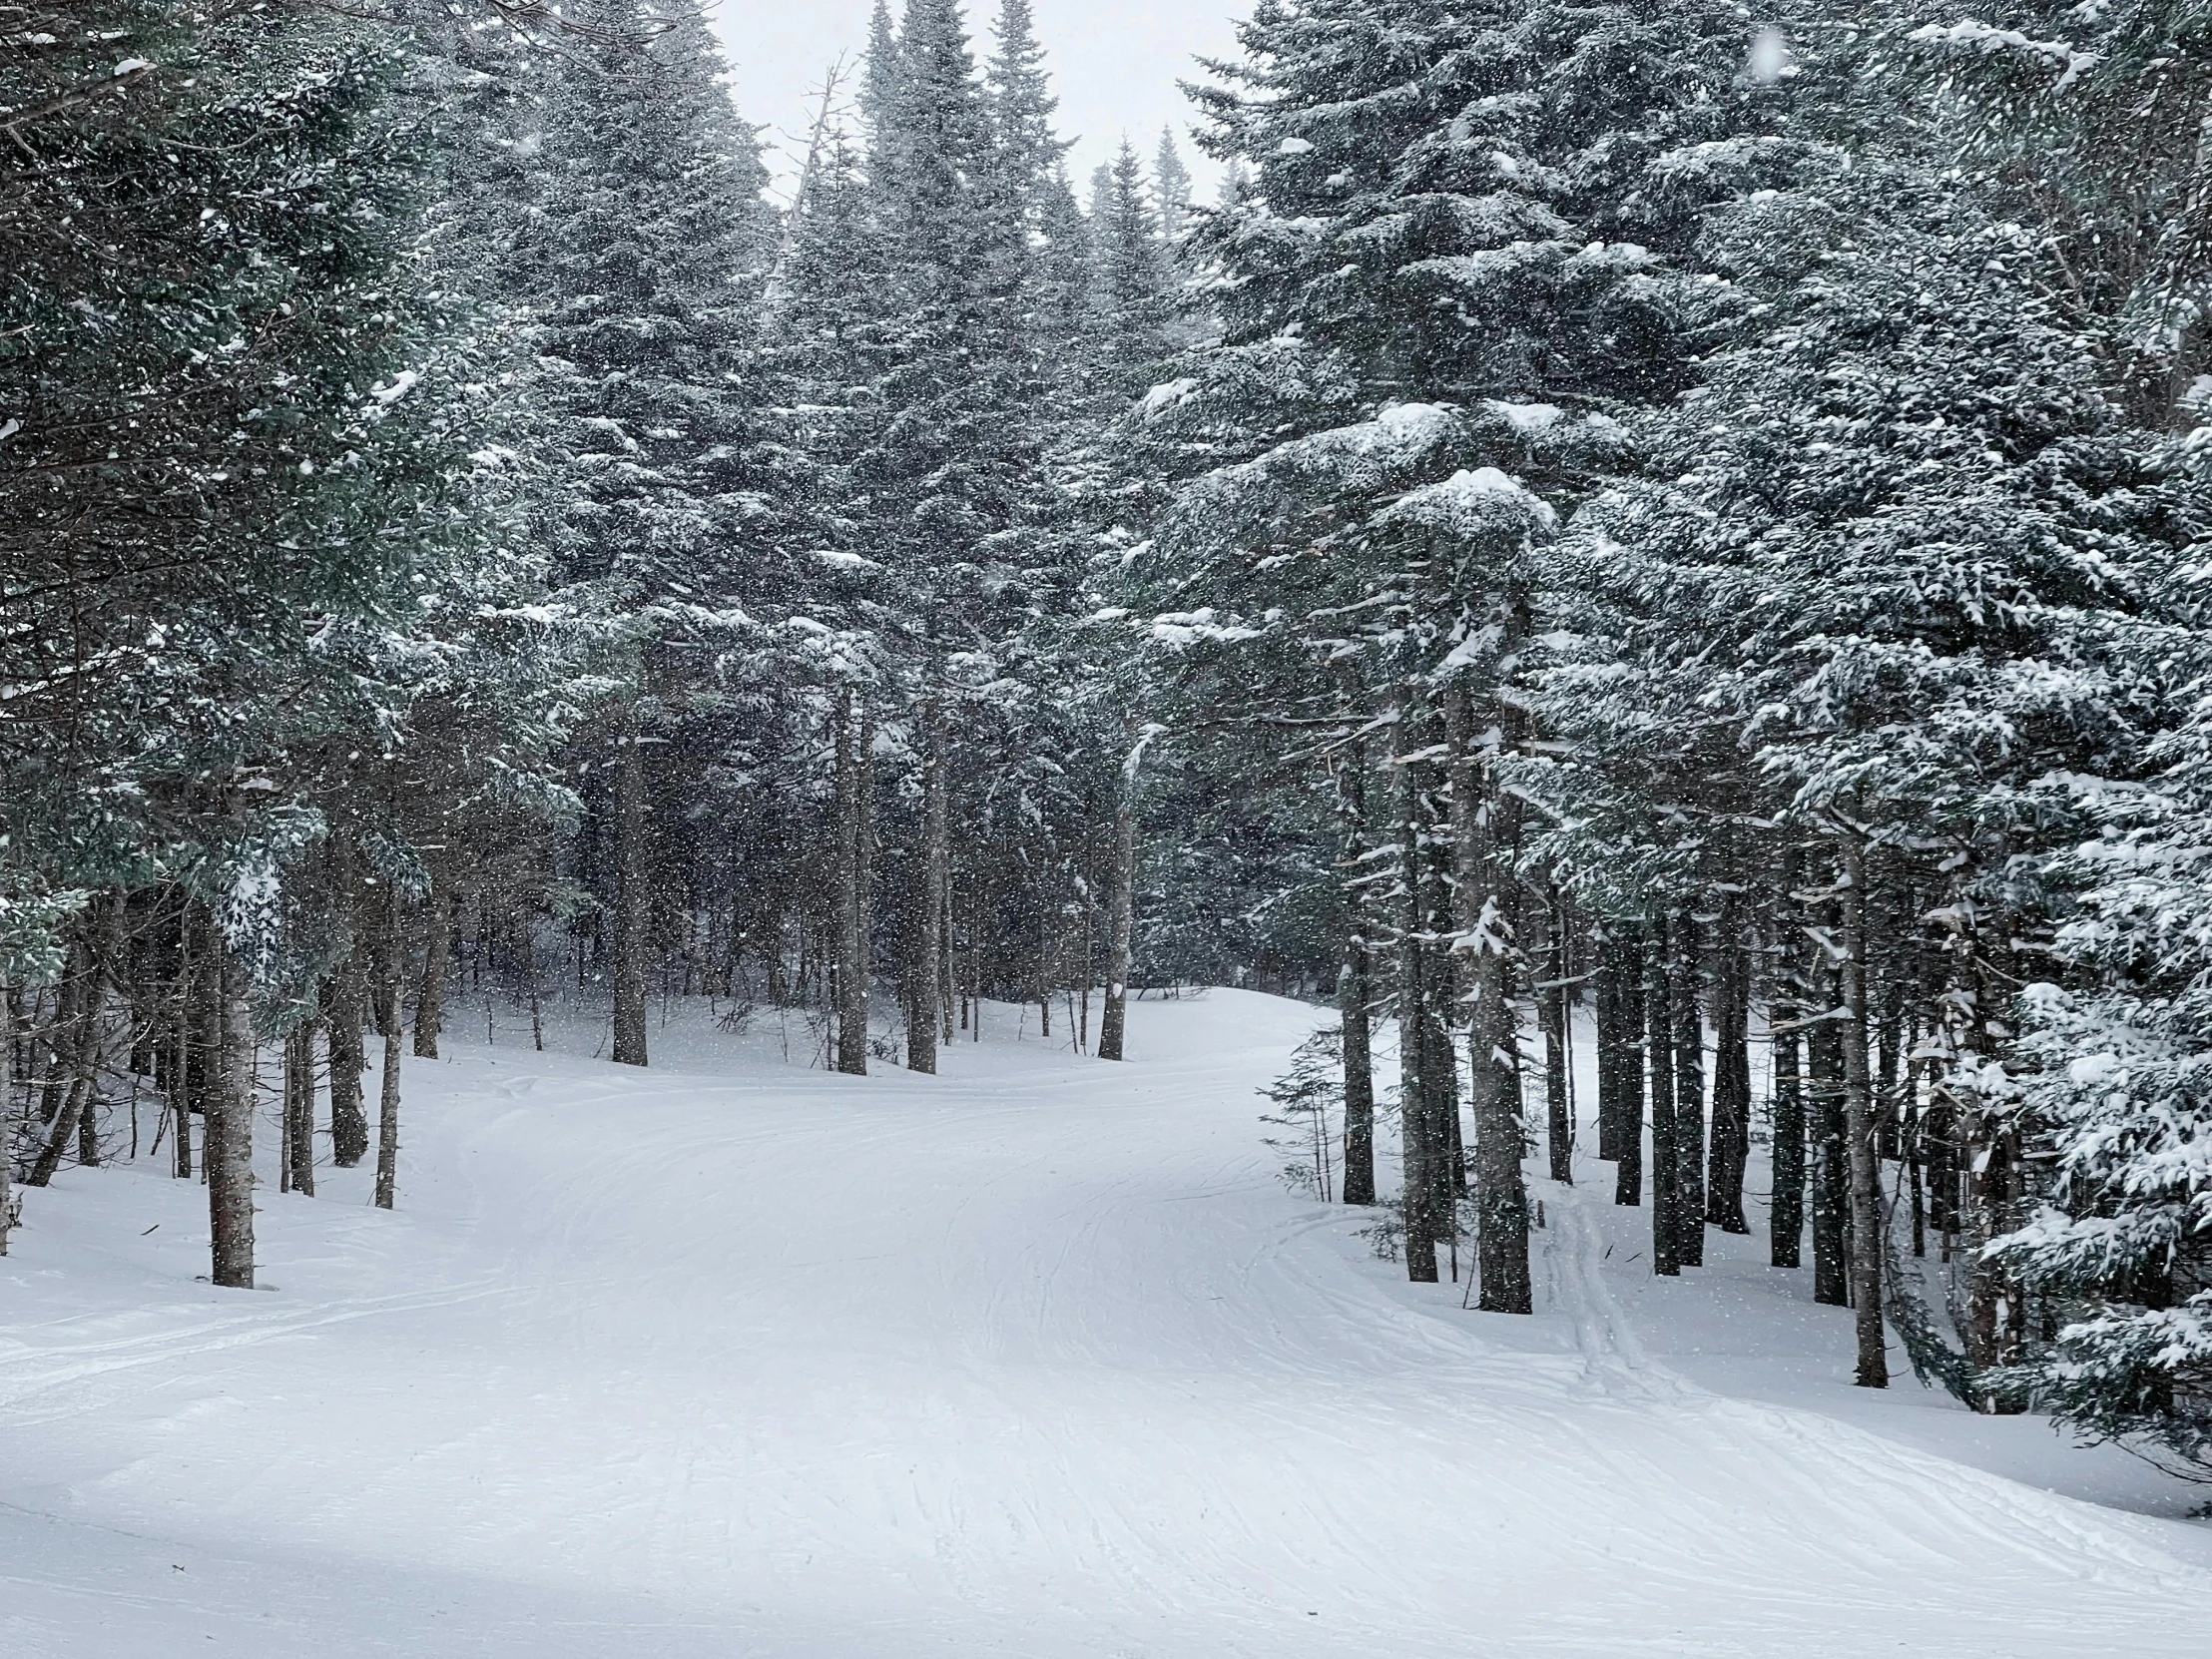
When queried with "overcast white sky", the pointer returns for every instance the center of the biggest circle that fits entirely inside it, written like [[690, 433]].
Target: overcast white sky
[[1114, 62]]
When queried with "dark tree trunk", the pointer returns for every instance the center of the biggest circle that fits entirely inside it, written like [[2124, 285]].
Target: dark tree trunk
[[387, 1001], [1113, 1023], [1559, 1054], [1628, 1064], [853, 767], [1731, 1149], [1787, 1217], [194, 1001], [1501, 1188], [1441, 983], [924, 1012], [633, 906], [437, 955], [348, 1059], [299, 1094], [347, 998], [1689, 1094], [1666, 1226], [1415, 1119], [1831, 1180], [230, 1134], [1354, 995], [1860, 1128], [1609, 1045]]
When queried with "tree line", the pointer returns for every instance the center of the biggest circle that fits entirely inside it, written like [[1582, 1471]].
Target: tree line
[[464, 536], [1623, 524], [1716, 507]]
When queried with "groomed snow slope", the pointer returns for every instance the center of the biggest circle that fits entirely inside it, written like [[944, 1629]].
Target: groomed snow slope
[[1033, 1360]]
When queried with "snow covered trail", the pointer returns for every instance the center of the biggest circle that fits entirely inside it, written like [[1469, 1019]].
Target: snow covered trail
[[1036, 1359]]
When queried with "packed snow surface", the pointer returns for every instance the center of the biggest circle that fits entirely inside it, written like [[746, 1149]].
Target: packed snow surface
[[1036, 1359]]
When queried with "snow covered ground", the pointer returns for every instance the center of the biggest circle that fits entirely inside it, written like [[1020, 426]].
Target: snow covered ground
[[1033, 1360]]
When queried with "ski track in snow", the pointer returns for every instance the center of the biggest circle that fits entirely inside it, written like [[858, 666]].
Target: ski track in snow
[[1033, 1360]]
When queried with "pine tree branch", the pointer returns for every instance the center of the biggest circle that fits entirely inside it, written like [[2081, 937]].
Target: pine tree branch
[[65, 102]]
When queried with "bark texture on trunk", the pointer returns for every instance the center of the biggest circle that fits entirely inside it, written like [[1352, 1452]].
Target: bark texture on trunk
[[230, 1132], [1559, 1052], [1500, 1189], [300, 1092], [348, 1059], [1831, 1180], [1113, 1022], [1353, 996], [1689, 1094], [1607, 1001], [1860, 1128], [1628, 1067], [924, 1012], [1415, 1051], [633, 909], [1666, 1227], [854, 763], [346, 997], [107, 957], [1730, 1149], [437, 956], [387, 1116], [1355, 987], [1785, 1239]]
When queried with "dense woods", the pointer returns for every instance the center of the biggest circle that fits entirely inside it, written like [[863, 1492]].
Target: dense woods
[[1631, 543]]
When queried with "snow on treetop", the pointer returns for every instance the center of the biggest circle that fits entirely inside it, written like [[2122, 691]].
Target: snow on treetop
[[1471, 503], [1970, 34], [1528, 419], [1164, 398]]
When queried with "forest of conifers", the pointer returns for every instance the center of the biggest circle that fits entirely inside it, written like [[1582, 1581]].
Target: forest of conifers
[[1652, 523]]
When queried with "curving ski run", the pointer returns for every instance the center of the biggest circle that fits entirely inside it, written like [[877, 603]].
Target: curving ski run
[[1036, 1360]]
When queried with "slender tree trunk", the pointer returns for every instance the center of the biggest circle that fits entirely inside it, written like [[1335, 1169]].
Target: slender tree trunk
[[229, 1140], [1353, 996], [437, 955], [948, 984], [1860, 1128], [1558, 1056], [347, 998], [1666, 1227], [108, 951], [388, 1002], [348, 1059], [1689, 1094], [633, 908], [1500, 1189], [1608, 1007], [190, 1066], [1113, 1023], [1787, 1217], [927, 1017], [1628, 1066], [1731, 1149], [300, 1092], [1416, 1121], [1831, 1181], [1440, 980], [851, 919]]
